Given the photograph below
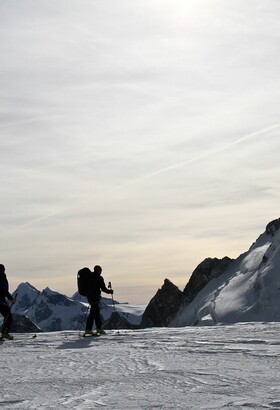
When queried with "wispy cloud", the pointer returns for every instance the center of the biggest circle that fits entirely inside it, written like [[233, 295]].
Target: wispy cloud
[[131, 131], [209, 153]]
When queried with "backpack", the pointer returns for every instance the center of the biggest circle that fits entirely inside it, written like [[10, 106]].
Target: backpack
[[84, 281]]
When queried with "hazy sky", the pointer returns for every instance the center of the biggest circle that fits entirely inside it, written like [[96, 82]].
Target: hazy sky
[[141, 135]]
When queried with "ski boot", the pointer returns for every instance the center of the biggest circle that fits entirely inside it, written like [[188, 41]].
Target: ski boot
[[100, 331], [6, 335], [88, 332]]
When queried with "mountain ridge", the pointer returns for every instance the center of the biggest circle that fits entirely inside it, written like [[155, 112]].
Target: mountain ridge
[[219, 291], [50, 310], [229, 290]]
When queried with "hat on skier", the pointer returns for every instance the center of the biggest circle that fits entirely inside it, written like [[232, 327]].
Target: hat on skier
[[97, 269]]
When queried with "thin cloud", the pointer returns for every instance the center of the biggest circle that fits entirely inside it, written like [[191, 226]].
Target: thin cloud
[[19, 123], [205, 155], [156, 173], [98, 102]]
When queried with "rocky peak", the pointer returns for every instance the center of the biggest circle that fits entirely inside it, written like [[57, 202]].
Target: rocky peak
[[56, 298], [26, 295], [272, 227], [117, 321], [163, 306], [207, 270]]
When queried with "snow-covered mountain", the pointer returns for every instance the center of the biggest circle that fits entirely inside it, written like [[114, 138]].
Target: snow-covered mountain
[[53, 311], [248, 290], [224, 290]]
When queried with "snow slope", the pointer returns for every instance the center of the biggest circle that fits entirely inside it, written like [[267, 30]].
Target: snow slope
[[249, 290], [232, 367]]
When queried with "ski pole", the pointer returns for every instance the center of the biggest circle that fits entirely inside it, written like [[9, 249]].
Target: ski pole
[[9, 314], [110, 287], [85, 319]]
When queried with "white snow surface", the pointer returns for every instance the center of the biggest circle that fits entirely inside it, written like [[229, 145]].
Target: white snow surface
[[217, 367], [248, 291]]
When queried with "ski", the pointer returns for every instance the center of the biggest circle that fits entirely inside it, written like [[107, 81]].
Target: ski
[[92, 335], [15, 338]]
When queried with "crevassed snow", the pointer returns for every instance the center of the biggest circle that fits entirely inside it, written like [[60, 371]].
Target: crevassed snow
[[253, 259], [249, 290]]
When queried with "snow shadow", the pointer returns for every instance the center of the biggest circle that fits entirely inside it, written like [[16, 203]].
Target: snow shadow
[[80, 343]]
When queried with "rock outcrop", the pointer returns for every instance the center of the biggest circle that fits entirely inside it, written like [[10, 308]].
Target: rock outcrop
[[117, 321], [21, 324], [167, 301], [207, 270], [272, 227], [163, 306]]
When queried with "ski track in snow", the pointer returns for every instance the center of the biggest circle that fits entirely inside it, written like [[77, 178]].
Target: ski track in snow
[[219, 367]]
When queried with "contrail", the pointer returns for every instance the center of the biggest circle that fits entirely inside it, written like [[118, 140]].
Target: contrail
[[158, 172], [211, 152]]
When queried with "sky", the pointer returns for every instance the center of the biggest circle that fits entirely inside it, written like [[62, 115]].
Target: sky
[[142, 136]]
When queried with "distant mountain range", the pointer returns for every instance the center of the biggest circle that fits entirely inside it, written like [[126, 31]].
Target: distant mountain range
[[223, 290], [53, 311]]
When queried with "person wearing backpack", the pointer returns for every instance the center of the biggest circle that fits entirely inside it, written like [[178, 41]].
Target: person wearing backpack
[[90, 284], [4, 307]]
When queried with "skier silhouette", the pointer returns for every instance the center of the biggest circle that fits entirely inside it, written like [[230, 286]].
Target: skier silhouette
[[4, 307], [97, 285]]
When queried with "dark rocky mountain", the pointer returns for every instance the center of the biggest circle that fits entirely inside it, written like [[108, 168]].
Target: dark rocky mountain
[[272, 227], [163, 306], [167, 301], [207, 270], [117, 321], [21, 324]]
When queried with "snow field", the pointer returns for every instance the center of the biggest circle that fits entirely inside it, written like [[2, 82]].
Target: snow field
[[233, 367]]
